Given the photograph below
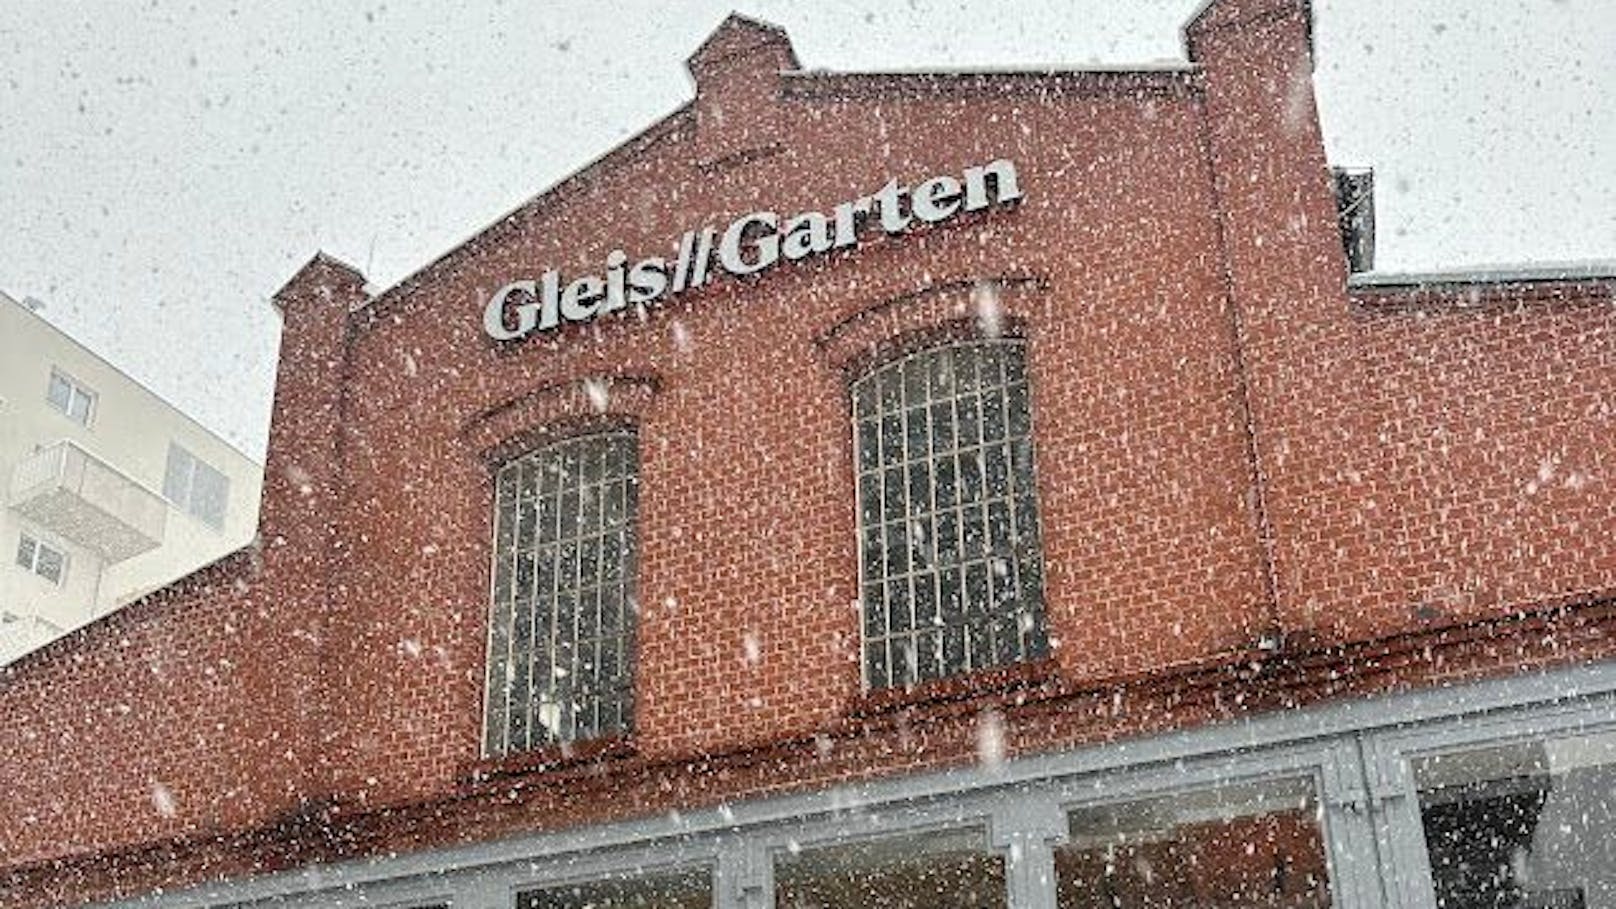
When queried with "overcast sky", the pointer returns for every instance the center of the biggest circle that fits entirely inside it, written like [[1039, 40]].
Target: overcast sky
[[166, 166]]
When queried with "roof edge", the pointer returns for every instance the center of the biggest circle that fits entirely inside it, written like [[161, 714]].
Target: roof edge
[[1167, 73], [532, 206], [179, 593]]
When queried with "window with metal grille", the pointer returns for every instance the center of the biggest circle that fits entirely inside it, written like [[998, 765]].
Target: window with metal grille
[[951, 572], [561, 625]]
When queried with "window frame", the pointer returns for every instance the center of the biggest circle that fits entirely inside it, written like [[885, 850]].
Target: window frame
[[1391, 756], [1019, 506], [188, 501], [76, 391], [38, 546], [601, 742]]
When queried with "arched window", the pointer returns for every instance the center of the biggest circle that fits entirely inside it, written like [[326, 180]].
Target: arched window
[[561, 624], [951, 573]]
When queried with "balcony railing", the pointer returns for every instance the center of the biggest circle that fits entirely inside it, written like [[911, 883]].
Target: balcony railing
[[71, 492]]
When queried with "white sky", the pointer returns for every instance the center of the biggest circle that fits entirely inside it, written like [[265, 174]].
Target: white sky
[[166, 166]]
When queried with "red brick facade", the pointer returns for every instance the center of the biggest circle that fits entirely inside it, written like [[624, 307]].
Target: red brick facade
[[1257, 487]]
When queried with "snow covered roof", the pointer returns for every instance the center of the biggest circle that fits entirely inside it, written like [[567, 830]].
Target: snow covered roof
[[1522, 273]]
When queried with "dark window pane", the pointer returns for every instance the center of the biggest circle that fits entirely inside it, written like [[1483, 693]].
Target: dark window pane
[[947, 480], [899, 616], [869, 499], [875, 661], [999, 528], [1018, 411], [869, 444], [919, 487], [864, 401], [897, 550], [948, 543], [891, 390], [996, 470], [969, 421], [892, 505], [993, 420], [613, 503], [892, 439], [942, 428], [872, 550], [917, 436], [49, 564], [921, 559], [970, 476], [589, 510], [875, 612], [1524, 824]]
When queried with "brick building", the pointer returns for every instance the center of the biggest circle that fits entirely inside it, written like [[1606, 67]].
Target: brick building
[[901, 489]]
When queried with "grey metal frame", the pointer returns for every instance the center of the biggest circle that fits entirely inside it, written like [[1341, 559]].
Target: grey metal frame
[[1356, 753], [1391, 753]]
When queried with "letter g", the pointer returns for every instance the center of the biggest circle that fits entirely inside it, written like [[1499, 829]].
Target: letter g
[[527, 314]]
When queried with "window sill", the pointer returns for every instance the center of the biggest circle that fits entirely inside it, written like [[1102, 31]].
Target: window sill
[[994, 685], [555, 758]]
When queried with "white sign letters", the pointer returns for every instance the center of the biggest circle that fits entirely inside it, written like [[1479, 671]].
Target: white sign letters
[[750, 244]]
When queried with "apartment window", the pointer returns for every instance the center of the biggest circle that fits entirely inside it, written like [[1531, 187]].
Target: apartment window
[[70, 397], [951, 574], [560, 637], [1525, 823], [195, 486], [42, 559]]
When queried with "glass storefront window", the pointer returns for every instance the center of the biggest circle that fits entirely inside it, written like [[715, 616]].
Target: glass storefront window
[[688, 888], [1528, 825], [1258, 844], [952, 869]]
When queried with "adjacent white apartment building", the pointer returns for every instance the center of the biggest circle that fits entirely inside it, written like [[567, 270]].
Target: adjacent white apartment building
[[109, 491]]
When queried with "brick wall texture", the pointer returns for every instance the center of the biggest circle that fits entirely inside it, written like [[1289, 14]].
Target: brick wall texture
[[1258, 488]]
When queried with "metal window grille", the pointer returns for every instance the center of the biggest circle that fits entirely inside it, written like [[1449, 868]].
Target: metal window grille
[[561, 621], [951, 571]]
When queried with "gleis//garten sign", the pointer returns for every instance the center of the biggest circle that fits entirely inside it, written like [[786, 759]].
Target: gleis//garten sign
[[750, 244]]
